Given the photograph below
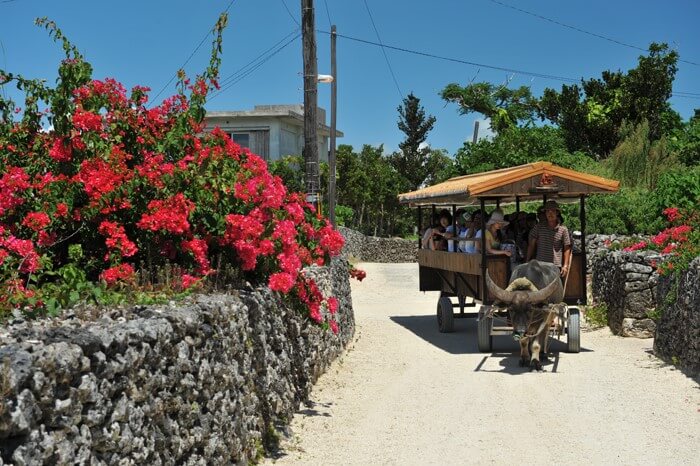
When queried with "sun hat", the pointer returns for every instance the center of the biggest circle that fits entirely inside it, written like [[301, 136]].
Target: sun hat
[[497, 217], [551, 205]]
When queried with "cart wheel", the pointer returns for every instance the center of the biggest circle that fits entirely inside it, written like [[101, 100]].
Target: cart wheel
[[573, 331], [445, 318], [484, 339]]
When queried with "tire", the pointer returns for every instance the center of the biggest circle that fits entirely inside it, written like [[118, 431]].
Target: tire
[[445, 317], [484, 339], [573, 331]]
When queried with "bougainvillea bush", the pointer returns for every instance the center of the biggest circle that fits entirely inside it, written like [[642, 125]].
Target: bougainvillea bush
[[680, 241], [115, 187]]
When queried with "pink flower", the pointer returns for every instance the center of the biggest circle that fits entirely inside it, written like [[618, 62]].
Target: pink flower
[[334, 326], [671, 213], [332, 305]]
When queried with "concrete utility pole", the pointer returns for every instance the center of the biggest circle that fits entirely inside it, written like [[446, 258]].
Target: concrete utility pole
[[308, 35], [331, 154], [476, 132]]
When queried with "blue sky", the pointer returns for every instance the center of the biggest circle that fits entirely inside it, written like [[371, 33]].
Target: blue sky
[[145, 42]]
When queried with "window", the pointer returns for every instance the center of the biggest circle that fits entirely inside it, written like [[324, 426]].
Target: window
[[242, 139]]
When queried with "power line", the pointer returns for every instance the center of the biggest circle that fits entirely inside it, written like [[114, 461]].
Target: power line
[[190, 57], [227, 80], [457, 60], [290, 12], [386, 58], [599, 36], [254, 68], [328, 13]]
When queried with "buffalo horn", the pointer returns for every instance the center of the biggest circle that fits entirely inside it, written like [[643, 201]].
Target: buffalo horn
[[540, 296], [499, 293]]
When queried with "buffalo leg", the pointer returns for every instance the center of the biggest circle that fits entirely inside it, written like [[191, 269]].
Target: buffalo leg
[[524, 353], [535, 361]]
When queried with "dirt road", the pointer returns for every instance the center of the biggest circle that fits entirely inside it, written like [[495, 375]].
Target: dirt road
[[404, 393]]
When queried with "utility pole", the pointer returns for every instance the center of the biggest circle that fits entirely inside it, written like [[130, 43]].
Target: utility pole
[[331, 154], [310, 101], [476, 132]]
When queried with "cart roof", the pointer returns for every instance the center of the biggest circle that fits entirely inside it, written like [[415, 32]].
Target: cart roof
[[528, 182]]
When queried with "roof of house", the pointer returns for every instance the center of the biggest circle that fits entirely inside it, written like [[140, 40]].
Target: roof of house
[[525, 182]]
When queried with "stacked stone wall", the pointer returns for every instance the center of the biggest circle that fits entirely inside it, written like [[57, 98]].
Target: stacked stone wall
[[677, 337], [201, 383], [627, 283]]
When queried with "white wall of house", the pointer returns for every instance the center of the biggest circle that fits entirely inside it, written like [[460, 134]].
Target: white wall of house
[[281, 127]]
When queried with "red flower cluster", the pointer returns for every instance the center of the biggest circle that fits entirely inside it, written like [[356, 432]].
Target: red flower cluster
[[119, 167], [36, 221], [119, 273], [117, 239], [170, 215]]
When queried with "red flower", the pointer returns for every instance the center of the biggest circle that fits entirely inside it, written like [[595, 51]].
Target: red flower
[[281, 281], [61, 209], [36, 221], [198, 248], [87, 121], [120, 273], [671, 213], [60, 151], [170, 215], [334, 326], [117, 239], [332, 305]]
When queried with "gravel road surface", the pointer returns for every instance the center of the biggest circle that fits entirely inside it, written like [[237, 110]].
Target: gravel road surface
[[405, 394]]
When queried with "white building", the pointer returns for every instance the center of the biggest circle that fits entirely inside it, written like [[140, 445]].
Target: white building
[[271, 131]]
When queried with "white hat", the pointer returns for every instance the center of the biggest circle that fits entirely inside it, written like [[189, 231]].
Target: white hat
[[497, 217]]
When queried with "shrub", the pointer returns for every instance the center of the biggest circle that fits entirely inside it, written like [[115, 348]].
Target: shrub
[[141, 188]]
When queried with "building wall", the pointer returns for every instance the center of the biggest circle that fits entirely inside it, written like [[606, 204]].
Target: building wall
[[285, 138]]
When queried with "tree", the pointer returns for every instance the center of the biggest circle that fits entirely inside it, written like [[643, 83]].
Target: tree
[[506, 108], [517, 146], [592, 114], [413, 160]]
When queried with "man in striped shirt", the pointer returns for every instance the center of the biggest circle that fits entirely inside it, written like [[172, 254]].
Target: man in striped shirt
[[550, 241]]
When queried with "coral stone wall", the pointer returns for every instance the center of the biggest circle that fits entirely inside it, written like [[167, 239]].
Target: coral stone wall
[[202, 383], [678, 331], [373, 249], [626, 282]]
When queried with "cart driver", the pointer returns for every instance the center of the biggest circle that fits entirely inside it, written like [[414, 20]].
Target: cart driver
[[550, 240]]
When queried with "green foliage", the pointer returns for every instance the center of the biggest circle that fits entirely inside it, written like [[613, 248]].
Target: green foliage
[[627, 212], [413, 162], [636, 161], [597, 315], [368, 184], [506, 108], [517, 146], [678, 187], [289, 168], [591, 124], [685, 141], [343, 215]]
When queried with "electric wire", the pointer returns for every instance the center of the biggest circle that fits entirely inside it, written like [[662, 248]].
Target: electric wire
[[328, 14], [189, 58], [228, 79], [386, 58], [456, 60], [599, 36], [482, 65], [290, 12], [261, 62]]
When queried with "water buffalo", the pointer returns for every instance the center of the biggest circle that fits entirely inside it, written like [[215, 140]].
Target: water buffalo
[[533, 299]]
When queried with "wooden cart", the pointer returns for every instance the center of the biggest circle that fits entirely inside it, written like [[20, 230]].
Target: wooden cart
[[463, 276]]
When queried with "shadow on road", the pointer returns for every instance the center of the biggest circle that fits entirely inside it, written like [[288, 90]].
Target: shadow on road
[[463, 341]]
